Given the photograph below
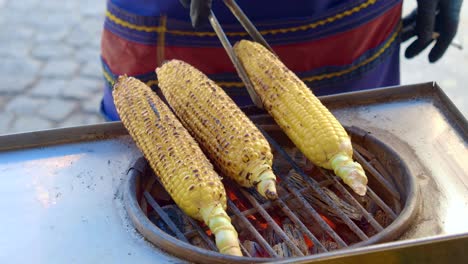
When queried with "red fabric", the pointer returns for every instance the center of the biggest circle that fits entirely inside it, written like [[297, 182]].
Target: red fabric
[[339, 49], [124, 57]]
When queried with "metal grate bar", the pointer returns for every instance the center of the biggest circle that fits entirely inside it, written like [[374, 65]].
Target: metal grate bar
[[349, 197], [318, 218], [235, 61], [364, 152], [316, 187], [381, 203], [244, 250], [266, 205], [191, 233], [364, 157], [272, 223], [301, 225], [396, 183], [202, 233], [251, 211], [246, 223], [368, 167], [164, 216]]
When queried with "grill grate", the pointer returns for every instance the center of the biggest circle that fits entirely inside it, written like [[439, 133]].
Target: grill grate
[[309, 206]]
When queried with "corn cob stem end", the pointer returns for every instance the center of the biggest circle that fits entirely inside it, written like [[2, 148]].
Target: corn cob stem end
[[267, 185], [350, 172], [259, 174], [220, 224]]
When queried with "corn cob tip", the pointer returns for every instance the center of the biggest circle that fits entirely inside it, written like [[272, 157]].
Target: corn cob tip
[[220, 224], [267, 185], [260, 174], [359, 188], [350, 172]]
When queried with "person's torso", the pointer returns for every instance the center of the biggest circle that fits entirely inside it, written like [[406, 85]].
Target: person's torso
[[334, 46]]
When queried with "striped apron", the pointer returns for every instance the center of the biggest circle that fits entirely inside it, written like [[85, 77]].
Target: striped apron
[[334, 46]]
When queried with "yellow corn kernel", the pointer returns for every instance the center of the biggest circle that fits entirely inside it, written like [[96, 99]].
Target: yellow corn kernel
[[185, 172], [301, 115], [225, 133]]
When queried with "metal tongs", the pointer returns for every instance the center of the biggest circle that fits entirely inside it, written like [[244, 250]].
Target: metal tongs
[[254, 34]]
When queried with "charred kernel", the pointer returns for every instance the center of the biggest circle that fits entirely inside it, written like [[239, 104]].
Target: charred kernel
[[217, 123], [313, 127], [170, 150]]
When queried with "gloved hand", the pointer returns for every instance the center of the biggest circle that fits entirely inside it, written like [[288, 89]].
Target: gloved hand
[[432, 16], [199, 11]]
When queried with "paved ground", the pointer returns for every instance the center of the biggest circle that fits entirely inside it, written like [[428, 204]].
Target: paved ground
[[50, 73]]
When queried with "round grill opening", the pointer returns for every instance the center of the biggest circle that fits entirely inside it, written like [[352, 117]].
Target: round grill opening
[[315, 213]]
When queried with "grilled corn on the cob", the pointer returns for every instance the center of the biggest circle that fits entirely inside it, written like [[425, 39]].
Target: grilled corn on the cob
[[232, 141], [307, 122], [183, 169]]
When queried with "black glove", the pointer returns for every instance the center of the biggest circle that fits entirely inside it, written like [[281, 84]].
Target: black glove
[[199, 11], [432, 16]]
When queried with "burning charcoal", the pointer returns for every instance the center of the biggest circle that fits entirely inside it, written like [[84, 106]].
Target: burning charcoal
[[176, 216], [330, 245], [198, 241], [351, 211], [280, 247], [296, 181], [253, 248], [296, 236], [382, 218], [271, 237], [369, 205], [160, 223], [282, 250]]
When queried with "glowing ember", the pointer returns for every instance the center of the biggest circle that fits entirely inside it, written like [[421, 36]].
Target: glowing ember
[[329, 222]]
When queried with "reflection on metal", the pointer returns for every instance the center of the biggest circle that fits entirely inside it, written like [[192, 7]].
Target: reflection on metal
[[87, 222]]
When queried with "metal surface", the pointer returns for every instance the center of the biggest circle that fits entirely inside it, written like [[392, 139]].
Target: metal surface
[[61, 195], [61, 203], [449, 249]]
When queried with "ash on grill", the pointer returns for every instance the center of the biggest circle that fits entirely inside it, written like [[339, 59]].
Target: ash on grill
[[314, 213]]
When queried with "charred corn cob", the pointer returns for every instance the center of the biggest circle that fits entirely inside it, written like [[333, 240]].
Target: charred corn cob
[[307, 122], [176, 158], [231, 140]]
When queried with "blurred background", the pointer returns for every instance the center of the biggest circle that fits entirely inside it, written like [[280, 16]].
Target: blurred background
[[50, 71]]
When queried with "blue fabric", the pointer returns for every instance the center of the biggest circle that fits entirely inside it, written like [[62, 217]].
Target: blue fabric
[[179, 20], [266, 14], [260, 9]]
